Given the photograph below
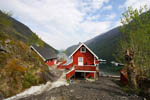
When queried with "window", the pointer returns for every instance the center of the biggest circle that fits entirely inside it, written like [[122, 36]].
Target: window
[[82, 49], [80, 61]]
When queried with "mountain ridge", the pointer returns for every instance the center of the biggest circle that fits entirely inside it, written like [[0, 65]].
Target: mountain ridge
[[22, 32], [103, 45]]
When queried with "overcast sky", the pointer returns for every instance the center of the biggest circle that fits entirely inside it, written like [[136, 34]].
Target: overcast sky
[[62, 23]]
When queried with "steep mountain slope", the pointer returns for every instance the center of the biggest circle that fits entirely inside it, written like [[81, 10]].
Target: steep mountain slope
[[70, 49], [21, 32], [20, 67], [103, 45]]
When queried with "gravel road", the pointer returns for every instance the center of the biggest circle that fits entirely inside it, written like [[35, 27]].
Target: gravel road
[[102, 89]]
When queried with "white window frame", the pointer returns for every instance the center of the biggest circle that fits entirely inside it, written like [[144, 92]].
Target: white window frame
[[80, 63], [83, 48]]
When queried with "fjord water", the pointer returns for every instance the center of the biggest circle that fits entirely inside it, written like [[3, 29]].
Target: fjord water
[[109, 69]]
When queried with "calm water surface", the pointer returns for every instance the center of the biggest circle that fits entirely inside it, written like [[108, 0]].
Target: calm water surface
[[109, 69]]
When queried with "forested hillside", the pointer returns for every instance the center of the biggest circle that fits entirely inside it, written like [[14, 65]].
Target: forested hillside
[[103, 45]]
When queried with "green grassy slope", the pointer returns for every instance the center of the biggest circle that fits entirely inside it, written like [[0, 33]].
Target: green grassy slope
[[20, 67], [19, 31]]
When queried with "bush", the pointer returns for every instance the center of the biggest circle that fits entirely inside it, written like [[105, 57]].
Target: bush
[[29, 79], [15, 66], [26, 84]]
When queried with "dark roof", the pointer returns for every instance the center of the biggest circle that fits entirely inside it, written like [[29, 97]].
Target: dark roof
[[45, 52]]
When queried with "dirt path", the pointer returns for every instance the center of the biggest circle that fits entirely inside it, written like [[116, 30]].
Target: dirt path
[[102, 89]]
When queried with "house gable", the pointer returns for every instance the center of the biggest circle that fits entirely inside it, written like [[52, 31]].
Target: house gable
[[82, 44], [85, 53], [88, 58]]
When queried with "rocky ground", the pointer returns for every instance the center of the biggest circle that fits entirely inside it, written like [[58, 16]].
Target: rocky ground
[[102, 89]]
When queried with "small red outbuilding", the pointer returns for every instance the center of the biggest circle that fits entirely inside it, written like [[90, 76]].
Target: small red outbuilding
[[46, 53]]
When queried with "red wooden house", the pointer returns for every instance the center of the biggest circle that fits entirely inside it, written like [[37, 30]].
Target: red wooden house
[[83, 63]]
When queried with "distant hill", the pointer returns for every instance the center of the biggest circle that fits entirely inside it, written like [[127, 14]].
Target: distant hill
[[70, 49], [20, 67], [103, 45]]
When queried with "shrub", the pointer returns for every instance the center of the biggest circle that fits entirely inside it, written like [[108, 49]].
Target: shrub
[[14, 66], [26, 84], [29, 79]]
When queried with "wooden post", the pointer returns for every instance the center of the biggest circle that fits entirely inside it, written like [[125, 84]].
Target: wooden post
[[95, 76]]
